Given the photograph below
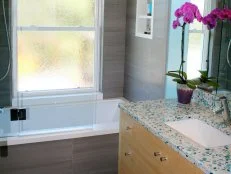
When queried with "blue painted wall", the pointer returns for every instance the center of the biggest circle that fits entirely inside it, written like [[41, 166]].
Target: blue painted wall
[[174, 51]]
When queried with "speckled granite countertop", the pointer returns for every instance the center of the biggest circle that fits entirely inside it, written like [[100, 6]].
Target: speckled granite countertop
[[153, 115]]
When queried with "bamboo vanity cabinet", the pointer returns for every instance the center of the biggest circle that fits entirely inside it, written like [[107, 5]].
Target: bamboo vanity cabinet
[[140, 152]]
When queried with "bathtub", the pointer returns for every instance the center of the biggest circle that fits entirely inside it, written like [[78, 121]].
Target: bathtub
[[60, 122]]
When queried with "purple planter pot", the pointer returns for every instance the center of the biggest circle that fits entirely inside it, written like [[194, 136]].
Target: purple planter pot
[[184, 93]]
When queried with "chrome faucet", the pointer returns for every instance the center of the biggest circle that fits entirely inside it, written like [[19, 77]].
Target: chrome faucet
[[225, 110]]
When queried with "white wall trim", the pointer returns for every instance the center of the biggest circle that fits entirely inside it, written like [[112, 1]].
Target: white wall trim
[[56, 99], [48, 28]]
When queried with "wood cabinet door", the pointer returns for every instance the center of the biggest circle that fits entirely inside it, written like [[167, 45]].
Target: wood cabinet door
[[132, 156]]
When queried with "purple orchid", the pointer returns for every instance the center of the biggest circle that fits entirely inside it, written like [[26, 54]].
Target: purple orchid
[[176, 24], [210, 21], [178, 13], [217, 14], [188, 12]]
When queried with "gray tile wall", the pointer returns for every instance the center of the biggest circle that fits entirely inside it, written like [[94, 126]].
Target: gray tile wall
[[5, 85], [114, 48], [145, 62], [91, 155]]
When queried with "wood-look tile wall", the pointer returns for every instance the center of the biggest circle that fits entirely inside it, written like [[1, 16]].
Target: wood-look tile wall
[[91, 155], [114, 48], [145, 62]]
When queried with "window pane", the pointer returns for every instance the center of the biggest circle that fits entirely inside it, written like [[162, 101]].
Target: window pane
[[55, 60], [56, 12], [194, 60], [195, 25]]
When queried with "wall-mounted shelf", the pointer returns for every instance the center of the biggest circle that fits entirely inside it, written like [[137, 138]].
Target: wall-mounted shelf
[[144, 18], [147, 36]]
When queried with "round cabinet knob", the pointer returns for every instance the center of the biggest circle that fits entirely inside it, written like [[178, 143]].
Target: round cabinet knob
[[128, 154], [128, 128], [162, 159], [157, 153]]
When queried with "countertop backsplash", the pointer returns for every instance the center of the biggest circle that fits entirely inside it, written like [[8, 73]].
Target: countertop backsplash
[[207, 99]]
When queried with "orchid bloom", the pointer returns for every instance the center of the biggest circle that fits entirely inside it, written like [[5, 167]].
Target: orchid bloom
[[217, 14], [188, 12]]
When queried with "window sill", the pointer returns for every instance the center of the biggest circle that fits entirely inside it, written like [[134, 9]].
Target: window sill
[[56, 99]]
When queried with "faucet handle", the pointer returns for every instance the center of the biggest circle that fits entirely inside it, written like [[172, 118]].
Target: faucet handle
[[218, 110], [226, 110], [223, 98], [220, 98]]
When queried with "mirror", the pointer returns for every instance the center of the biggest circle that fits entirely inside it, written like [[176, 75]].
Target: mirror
[[221, 53]]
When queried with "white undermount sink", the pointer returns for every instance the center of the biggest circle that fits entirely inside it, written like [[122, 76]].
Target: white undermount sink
[[201, 133]]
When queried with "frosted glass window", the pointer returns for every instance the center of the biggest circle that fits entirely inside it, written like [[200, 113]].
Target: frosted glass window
[[55, 60], [56, 41], [56, 12]]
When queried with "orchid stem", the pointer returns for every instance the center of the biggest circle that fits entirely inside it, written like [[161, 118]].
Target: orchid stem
[[208, 54], [181, 69]]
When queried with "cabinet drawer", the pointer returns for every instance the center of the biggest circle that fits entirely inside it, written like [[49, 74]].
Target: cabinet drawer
[[126, 162], [128, 128], [175, 164], [134, 159], [127, 124]]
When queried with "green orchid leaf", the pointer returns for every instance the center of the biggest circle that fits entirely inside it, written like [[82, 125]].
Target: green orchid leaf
[[181, 72], [192, 86], [212, 83], [203, 79], [175, 75], [204, 74], [195, 81], [178, 81], [185, 75]]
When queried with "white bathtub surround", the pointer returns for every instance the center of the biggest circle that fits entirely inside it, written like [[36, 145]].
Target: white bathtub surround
[[39, 127], [97, 130]]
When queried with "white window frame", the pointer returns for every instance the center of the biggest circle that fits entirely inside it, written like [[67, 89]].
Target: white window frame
[[205, 40], [98, 28]]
